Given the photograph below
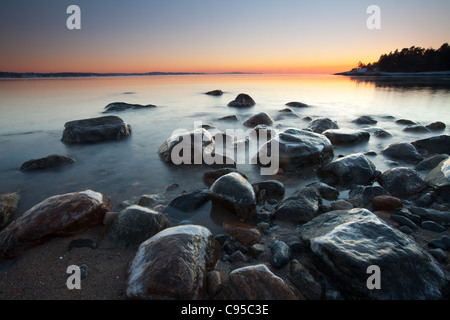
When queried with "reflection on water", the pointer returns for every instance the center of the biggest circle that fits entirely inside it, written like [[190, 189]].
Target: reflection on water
[[34, 111]]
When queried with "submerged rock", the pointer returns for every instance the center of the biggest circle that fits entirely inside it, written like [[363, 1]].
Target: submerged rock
[[269, 189], [211, 176], [322, 124], [365, 120], [234, 193], [382, 134], [257, 119], [417, 128], [346, 136], [215, 93], [57, 216], [123, 106], [50, 162], [436, 126], [188, 202], [347, 243], [296, 104], [242, 101], [402, 151], [173, 264], [433, 145], [95, 130], [402, 182]]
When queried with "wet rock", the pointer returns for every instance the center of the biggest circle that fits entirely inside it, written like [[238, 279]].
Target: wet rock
[[417, 128], [296, 104], [365, 120], [242, 101], [326, 191], [322, 124], [433, 145], [300, 207], [346, 243], [187, 147], [148, 200], [346, 171], [229, 118], [238, 256], [122, 106], [189, 202], [441, 217], [382, 134], [406, 122], [281, 254], [173, 264], [440, 175], [341, 205], [255, 283], [402, 151], [269, 189], [308, 286], [211, 176], [256, 250], [215, 282], [404, 221], [299, 149], [387, 203], [135, 224], [82, 243], [50, 162], [431, 163], [442, 243], [259, 118], [402, 182], [346, 136], [8, 206], [436, 126], [95, 130], [362, 196], [215, 93], [432, 226], [244, 233], [235, 193], [57, 216], [438, 254]]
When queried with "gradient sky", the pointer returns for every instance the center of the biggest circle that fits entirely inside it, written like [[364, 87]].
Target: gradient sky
[[270, 36]]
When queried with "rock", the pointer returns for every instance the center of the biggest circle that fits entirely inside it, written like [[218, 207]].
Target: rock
[[256, 250], [365, 120], [269, 189], [362, 196], [341, 205], [109, 217], [8, 206], [404, 221], [238, 256], [255, 283], [322, 124], [187, 147], [242, 101], [57, 216], [346, 136], [189, 202], [382, 134], [440, 175], [122, 106], [215, 93], [49, 162], [405, 229], [346, 243], [235, 193], [299, 149], [402, 151], [173, 264], [431, 163], [259, 118], [411, 216], [438, 254], [211, 176], [432, 226], [148, 200], [286, 110], [82, 243], [402, 182], [281, 254], [442, 243], [406, 122], [215, 282], [296, 104], [95, 130], [346, 171], [327, 192], [304, 281], [300, 207], [244, 233], [135, 224], [433, 145], [387, 203], [436, 126], [229, 118], [441, 217], [417, 128]]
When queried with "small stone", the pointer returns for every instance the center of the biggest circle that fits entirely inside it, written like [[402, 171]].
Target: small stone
[[341, 205], [385, 202], [256, 250], [442, 243], [432, 226], [404, 221], [405, 229], [281, 254], [238, 256], [438, 254]]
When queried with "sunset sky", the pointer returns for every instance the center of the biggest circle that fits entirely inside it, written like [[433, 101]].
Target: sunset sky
[[269, 36]]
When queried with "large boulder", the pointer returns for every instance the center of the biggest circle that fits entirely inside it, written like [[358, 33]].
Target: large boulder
[[234, 193], [57, 216], [402, 151], [301, 206], [346, 136], [402, 182], [349, 170], [50, 162], [123, 106], [299, 149], [242, 101], [173, 264], [347, 243], [322, 124], [95, 130], [8, 206], [135, 224], [437, 144], [255, 282]]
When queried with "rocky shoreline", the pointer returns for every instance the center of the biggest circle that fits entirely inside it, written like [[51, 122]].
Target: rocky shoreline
[[316, 243]]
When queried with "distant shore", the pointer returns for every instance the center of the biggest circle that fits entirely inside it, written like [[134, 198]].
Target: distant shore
[[366, 73]]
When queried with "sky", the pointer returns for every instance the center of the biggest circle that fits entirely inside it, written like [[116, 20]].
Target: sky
[[267, 36]]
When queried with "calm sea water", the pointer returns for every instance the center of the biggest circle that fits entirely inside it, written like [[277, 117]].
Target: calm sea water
[[34, 111]]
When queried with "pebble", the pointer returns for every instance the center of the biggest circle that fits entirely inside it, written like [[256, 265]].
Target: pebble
[[432, 226], [438, 254], [404, 221], [442, 243], [281, 254]]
